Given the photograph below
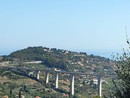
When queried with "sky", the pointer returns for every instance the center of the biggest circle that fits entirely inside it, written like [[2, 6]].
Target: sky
[[78, 25]]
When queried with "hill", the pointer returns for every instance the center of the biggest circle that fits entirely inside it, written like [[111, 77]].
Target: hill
[[63, 59], [22, 79]]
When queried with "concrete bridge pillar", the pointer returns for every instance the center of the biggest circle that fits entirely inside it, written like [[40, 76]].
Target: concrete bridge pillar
[[100, 86], [47, 77], [38, 74], [72, 85], [56, 80]]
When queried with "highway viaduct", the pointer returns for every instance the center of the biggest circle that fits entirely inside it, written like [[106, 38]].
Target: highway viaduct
[[72, 79]]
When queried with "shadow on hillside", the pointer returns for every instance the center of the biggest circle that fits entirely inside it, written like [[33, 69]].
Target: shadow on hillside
[[58, 89]]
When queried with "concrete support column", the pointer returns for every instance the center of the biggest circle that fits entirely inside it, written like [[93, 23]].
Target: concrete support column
[[100, 86], [38, 74], [72, 85], [47, 77], [56, 80]]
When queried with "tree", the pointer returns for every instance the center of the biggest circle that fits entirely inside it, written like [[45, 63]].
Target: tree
[[20, 93], [121, 87]]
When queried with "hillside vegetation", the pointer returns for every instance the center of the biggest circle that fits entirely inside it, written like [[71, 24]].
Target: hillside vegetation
[[63, 59]]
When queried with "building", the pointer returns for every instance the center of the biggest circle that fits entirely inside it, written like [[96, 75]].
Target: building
[[5, 97]]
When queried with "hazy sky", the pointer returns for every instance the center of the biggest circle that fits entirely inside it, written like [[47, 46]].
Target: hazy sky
[[77, 25]]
